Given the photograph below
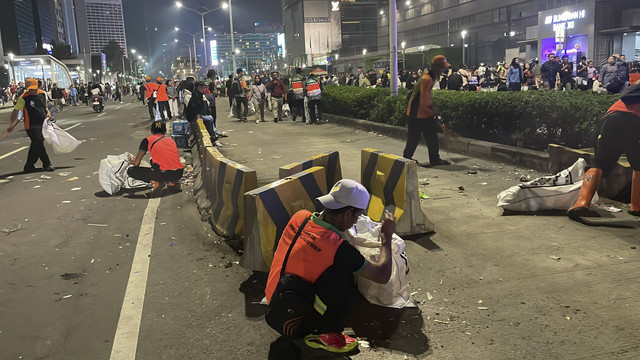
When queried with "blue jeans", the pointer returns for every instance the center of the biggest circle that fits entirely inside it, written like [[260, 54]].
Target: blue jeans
[[208, 123]]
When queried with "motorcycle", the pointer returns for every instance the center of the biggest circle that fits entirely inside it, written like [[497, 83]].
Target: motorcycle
[[97, 104]]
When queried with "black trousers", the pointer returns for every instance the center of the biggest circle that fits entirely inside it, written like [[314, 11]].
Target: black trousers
[[515, 86], [314, 105], [429, 129], [620, 133], [36, 150], [154, 173], [242, 100], [164, 105], [151, 104], [298, 109]]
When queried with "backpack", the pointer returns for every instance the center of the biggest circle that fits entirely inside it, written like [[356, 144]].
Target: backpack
[[236, 87]]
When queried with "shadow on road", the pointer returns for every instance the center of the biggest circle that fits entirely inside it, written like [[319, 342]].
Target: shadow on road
[[39, 170]]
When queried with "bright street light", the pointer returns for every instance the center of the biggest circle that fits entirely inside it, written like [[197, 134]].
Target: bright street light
[[179, 4], [364, 51], [381, 12], [176, 28], [139, 57], [225, 5], [463, 33], [403, 44], [176, 40]]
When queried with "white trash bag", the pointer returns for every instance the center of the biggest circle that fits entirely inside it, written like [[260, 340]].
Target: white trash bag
[[557, 192], [61, 141], [113, 176], [365, 236]]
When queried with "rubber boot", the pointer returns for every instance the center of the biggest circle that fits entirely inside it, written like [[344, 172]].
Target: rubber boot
[[635, 194], [587, 191]]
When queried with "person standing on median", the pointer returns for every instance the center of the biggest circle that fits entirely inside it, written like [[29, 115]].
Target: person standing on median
[[33, 102], [422, 119], [323, 258]]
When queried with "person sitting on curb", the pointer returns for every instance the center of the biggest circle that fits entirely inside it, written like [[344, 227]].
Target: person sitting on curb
[[166, 168], [323, 258], [620, 133], [200, 108]]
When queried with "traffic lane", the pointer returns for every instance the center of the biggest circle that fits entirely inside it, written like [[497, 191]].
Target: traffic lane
[[56, 253]]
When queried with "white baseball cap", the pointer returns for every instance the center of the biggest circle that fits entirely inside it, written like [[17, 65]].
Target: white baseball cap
[[345, 193]]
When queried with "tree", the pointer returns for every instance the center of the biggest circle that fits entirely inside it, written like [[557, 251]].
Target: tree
[[114, 53]]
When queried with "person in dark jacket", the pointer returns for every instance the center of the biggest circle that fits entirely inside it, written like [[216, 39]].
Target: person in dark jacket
[[550, 70], [620, 133], [566, 74], [278, 90], [200, 109]]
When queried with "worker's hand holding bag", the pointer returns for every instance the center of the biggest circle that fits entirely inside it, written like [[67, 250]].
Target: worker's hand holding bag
[[293, 303]]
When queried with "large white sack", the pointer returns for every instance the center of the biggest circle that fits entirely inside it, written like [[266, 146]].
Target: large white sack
[[557, 192], [113, 176], [365, 236]]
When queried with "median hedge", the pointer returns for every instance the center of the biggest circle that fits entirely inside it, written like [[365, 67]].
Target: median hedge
[[532, 118]]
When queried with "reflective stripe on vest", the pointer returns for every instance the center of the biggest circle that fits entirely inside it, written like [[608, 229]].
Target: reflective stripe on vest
[[313, 89], [164, 152], [296, 86]]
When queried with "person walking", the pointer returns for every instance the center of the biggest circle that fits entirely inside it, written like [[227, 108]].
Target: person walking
[[57, 96], [313, 91], [73, 94], [278, 90], [228, 90], [240, 91], [33, 104], [515, 75], [163, 99], [150, 95], [117, 95], [297, 87], [258, 97], [422, 120], [173, 98]]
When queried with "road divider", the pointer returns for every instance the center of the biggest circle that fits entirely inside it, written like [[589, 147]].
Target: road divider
[[268, 209], [392, 182], [330, 161]]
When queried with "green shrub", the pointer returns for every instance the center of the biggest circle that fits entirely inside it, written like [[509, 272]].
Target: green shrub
[[537, 118]]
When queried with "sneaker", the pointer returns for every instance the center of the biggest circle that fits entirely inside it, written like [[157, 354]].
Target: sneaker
[[156, 186], [173, 185], [333, 342], [440, 162], [49, 168]]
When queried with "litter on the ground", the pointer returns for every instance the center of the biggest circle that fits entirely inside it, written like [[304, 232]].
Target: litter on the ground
[[461, 188], [556, 258], [73, 178], [100, 225], [45, 177], [64, 173], [66, 201], [472, 172], [429, 296], [612, 209], [11, 230], [483, 308], [423, 195], [424, 181], [484, 183], [76, 189]]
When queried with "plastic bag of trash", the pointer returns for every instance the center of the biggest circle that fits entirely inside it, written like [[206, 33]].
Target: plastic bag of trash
[[365, 236], [557, 192], [113, 176], [61, 141]]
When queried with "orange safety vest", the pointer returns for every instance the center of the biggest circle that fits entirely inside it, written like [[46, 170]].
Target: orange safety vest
[[313, 89], [296, 86], [162, 92], [312, 254], [164, 152], [150, 88], [25, 111]]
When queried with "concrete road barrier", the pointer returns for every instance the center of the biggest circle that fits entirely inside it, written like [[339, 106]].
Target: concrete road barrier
[[330, 161], [225, 183], [392, 182], [269, 208]]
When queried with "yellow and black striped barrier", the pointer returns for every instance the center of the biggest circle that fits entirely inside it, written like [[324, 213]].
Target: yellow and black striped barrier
[[269, 208], [392, 182], [330, 161], [225, 183]]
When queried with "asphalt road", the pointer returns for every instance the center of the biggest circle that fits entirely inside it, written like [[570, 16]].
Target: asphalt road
[[553, 289]]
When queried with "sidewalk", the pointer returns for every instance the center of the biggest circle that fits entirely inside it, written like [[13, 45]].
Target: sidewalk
[[503, 287]]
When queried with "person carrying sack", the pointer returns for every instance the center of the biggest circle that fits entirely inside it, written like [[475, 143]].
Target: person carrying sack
[[166, 168], [311, 282]]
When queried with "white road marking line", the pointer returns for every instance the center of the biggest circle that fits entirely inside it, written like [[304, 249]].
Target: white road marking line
[[125, 343], [72, 126], [102, 114], [13, 152]]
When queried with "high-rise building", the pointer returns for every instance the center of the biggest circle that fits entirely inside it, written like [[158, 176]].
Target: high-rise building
[[254, 51], [104, 22], [18, 26]]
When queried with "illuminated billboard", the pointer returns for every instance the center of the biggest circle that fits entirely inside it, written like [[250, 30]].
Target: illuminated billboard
[[281, 45], [213, 45]]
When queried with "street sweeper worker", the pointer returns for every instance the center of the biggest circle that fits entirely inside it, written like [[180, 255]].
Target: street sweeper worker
[[620, 133]]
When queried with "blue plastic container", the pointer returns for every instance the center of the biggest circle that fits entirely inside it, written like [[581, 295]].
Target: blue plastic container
[[181, 141], [180, 127]]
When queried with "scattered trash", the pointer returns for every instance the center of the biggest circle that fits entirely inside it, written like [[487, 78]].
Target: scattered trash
[[67, 296], [483, 308], [93, 260], [461, 188], [45, 177], [276, 157], [413, 293], [556, 258], [568, 317], [66, 201], [36, 187], [484, 183], [472, 172], [73, 178], [524, 178], [11, 230], [250, 132], [479, 301], [64, 173], [429, 296], [76, 189], [228, 265], [423, 195], [100, 225], [259, 151], [440, 321], [364, 344], [612, 209], [424, 181], [28, 180], [171, 244], [4, 181], [348, 140], [163, 223]]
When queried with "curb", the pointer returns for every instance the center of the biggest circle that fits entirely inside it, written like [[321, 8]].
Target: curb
[[538, 160]]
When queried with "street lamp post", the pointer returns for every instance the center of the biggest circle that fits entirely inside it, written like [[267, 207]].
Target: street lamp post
[[422, 51], [463, 33], [403, 44], [364, 59], [13, 72], [393, 46]]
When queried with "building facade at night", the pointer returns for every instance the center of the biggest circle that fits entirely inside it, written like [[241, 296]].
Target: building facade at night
[[254, 52]]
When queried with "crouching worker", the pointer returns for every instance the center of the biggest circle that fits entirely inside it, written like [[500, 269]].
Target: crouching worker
[[620, 133], [311, 279], [166, 168]]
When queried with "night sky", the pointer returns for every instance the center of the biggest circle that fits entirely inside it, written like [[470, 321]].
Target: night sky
[[163, 14]]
